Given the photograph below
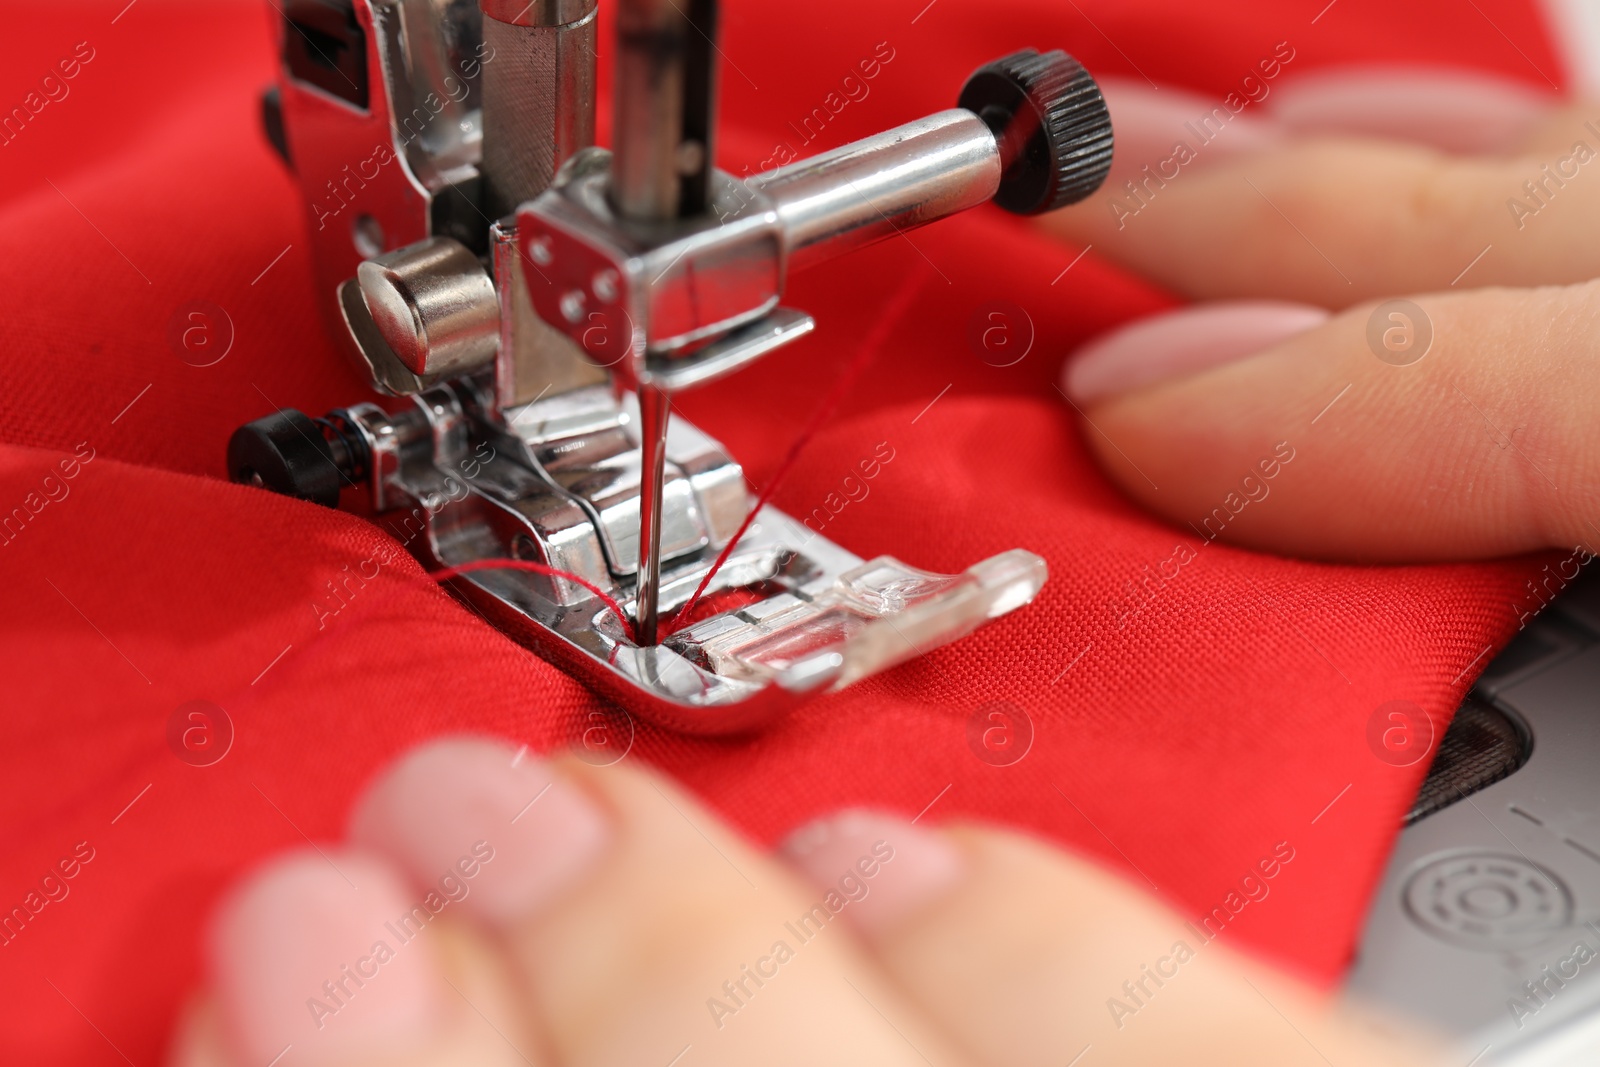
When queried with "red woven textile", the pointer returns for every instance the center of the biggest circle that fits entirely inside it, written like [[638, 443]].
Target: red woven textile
[[1179, 745]]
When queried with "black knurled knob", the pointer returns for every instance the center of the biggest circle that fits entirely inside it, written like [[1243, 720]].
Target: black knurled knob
[[291, 453], [1052, 126]]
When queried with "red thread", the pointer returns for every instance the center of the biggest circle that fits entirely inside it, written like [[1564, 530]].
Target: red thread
[[897, 306], [894, 309], [538, 568]]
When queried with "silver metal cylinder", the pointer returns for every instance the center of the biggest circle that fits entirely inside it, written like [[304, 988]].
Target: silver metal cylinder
[[434, 305], [648, 108], [883, 185], [665, 90], [664, 108], [538, 94]]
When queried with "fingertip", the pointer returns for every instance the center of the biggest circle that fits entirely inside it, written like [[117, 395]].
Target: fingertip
[[1457, 111], [301, 955], [1150, 123], [879, 868], [1182, 342], [480, 822]]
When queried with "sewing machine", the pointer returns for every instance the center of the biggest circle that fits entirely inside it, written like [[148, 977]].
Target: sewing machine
[[533, 303]]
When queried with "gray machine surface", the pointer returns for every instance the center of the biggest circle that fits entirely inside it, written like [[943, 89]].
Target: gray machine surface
[[1486, 927]]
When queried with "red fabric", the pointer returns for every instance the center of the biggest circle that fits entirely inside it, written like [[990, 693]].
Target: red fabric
[[1180, 749]]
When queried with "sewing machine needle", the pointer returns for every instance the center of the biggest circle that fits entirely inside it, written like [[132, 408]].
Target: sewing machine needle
[[655, 409], [661, 170]]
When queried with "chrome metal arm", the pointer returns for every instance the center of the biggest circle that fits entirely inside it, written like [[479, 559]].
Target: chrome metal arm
[[839, 201]]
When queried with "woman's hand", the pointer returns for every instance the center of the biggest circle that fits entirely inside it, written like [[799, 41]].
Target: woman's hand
[[490, 908], [1445, 408]]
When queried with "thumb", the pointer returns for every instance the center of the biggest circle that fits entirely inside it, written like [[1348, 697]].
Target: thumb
[[1445, 426]]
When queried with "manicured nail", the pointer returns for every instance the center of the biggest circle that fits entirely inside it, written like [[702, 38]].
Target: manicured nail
[[1454, 111], [1151, 125], [1183, 342], [875, 869], [482, 825], [304, 955]]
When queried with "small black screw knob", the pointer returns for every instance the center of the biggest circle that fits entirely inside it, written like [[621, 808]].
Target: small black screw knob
[[1052, 126], [291, 453]]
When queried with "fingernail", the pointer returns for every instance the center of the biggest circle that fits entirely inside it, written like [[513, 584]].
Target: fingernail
[[481, 824], [1454, 111], [303, 956], [1151, 124], [1182, 342], [876, 870]]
